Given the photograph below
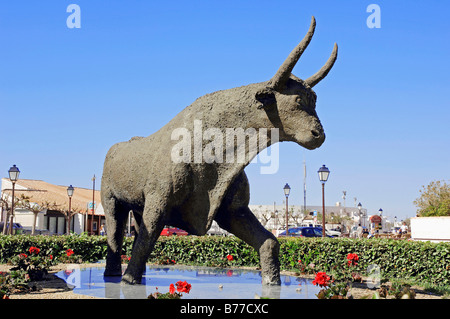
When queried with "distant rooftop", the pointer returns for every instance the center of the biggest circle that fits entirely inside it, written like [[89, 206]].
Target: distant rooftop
[[41, 192]]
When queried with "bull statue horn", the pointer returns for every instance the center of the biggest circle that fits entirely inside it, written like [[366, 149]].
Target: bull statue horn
[[316, 78], [283, 73]]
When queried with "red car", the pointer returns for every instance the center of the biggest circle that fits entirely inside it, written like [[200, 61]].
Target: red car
[[173, 231]]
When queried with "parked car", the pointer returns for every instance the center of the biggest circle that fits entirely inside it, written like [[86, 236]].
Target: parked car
[[17, 228], [173, 231], [334, 232], [330, 232], [304, 232]]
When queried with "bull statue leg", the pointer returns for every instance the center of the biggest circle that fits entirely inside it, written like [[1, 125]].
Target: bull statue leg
[[115, 225], [235, 216], [150, 228]]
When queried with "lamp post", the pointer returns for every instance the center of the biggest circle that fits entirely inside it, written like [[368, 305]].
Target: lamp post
[[13, 177], [70, 190], [360, 214], [276, 219], [287, 190], [324, 172], [380, 213]]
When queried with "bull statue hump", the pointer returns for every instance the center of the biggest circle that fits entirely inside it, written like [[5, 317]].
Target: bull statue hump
[[191, 171]]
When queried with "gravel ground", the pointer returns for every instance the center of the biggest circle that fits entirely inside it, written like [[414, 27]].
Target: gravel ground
[[55, 288]]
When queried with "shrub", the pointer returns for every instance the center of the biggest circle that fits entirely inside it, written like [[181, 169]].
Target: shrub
[[422, 261], [12, 282], [34, 263]]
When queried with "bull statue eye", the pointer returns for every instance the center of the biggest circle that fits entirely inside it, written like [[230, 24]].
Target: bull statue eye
[[301, 101]]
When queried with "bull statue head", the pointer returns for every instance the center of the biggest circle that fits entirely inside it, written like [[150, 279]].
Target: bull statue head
[[289, 100]]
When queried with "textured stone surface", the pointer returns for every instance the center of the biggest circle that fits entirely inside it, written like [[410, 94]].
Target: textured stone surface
[[139, 174]]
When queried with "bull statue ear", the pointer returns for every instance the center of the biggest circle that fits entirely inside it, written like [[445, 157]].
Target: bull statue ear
[[266, 97]]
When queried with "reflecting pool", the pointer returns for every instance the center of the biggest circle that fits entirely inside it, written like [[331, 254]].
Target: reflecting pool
[[207, 283]]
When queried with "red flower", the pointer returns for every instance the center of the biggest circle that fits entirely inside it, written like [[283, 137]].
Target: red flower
[[34, 250], [22, 255], [69, 252], [352, 259], [172, 289], [230, 258], [125, 258], [51, 257], [183, 286], [321, 279]]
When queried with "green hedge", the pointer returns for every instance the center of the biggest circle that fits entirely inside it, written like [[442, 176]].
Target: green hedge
[[423, 261], [90, 248]]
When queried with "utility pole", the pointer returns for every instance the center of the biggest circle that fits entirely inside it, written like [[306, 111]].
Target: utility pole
[[93, 205], [343, 197], [304, 186]]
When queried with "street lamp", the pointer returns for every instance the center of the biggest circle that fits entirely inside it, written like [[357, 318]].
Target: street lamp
[[13, 177], [380, 213], [276, 219], [323, 177], [287, 190], [70, 190], [360, 214]]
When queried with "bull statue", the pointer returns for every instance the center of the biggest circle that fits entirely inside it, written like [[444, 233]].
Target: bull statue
[[141, 176]]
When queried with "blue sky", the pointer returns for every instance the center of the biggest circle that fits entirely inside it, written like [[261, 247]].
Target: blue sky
[[67, 95]]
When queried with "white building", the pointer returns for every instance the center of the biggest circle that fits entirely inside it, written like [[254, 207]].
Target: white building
[[48, 201], [274, 216], [434, 229]]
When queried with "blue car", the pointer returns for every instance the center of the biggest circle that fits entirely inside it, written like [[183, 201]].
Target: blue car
[[304, 232]]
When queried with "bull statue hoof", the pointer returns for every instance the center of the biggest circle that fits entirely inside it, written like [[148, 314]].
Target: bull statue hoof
[[271, 280], [130, 280]]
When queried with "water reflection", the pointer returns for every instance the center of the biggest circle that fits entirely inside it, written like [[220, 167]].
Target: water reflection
[[207, 283]]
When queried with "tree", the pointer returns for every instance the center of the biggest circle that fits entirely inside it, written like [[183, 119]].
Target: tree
[[5, 202], [68, 215], [434, 200], [57, 207], [24, 202], [265, 216]]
